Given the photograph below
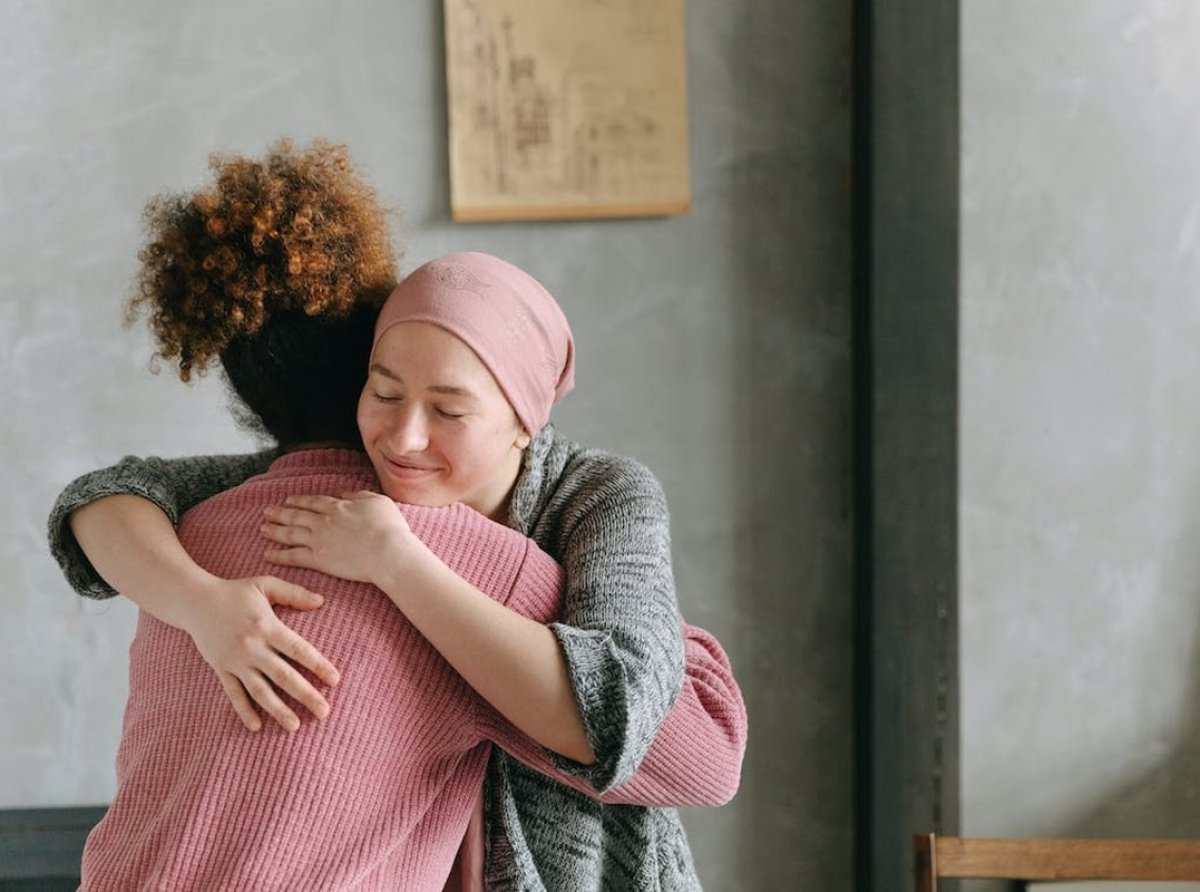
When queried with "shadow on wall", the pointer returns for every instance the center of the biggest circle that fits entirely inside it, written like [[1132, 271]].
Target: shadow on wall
[[1158, 803], [790, 207], [1161, 801]]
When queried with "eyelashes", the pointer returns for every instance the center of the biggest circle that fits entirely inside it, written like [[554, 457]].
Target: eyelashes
[[442, 413]]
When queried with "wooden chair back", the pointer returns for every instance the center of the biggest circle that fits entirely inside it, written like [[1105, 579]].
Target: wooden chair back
[[1026, 860]]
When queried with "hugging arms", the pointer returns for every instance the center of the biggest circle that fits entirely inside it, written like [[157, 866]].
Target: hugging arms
[[694, 734]]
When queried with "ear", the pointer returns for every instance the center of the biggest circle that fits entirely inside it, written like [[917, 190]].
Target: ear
[[523, 439]]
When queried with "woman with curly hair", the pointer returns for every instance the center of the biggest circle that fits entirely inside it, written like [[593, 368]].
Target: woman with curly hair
[[467, 357]]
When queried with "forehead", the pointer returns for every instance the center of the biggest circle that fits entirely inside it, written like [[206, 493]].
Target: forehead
[[421, 354]]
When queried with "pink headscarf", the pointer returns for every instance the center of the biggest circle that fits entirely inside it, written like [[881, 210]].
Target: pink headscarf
[[502, 313]]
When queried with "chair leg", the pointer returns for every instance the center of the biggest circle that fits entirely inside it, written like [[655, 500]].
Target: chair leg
[[925, 862]]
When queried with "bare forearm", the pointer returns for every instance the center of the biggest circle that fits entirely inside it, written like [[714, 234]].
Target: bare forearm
[[512, 661], [133, 546], [173, 485], [696, 758]]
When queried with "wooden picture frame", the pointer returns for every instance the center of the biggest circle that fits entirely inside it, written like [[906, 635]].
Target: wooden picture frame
[[562, 109]]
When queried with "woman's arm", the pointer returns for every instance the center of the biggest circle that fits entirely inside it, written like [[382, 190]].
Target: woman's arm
[[620, 631], [113, 530], [595, 687], [696, 758], [511, 660], [612, 532], [174, 485], [134, 548]]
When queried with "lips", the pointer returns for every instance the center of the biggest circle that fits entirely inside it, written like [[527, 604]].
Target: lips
[[408, 470]]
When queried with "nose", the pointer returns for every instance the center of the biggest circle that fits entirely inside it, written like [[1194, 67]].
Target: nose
[[409, 431]]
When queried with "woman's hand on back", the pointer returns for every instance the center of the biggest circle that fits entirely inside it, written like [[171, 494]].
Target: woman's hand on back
[[255, 653], [361, 536], [132, 544]]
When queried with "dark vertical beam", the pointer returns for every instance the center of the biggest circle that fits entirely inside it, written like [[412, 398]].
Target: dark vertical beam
[[863, 464], [907, 153]]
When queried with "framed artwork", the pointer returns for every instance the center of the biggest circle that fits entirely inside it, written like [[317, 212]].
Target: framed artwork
[[563, 109]]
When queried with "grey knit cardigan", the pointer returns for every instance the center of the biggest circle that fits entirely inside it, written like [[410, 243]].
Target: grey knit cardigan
[[604, 517]]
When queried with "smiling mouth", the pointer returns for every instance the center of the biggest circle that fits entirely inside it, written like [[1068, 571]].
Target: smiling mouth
[[406, 469]]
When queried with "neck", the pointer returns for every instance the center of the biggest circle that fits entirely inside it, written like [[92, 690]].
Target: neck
[[495, 503]]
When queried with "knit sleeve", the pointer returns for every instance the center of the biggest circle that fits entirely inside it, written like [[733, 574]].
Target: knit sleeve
[[696, 757], [174, 485], [620, 631]]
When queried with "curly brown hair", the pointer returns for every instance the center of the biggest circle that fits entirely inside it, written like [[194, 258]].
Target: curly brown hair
[[295, 232]]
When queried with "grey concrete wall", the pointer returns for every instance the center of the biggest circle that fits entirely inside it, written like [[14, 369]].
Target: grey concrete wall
[[714, 346], [1080, 418]]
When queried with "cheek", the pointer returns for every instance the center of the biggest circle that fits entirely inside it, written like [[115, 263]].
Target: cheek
[[368, 418], [467, 452], [492, 450]]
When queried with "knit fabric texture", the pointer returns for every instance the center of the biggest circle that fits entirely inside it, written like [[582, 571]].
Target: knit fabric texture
[[375, 797], [663, 713]]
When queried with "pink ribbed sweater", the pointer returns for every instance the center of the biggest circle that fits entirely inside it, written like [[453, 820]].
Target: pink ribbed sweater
[[377, 796]]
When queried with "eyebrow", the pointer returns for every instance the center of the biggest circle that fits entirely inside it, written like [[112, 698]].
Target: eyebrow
[[448, 389]]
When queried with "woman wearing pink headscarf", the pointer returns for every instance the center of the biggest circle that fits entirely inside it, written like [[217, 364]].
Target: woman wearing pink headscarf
[[470, 354]]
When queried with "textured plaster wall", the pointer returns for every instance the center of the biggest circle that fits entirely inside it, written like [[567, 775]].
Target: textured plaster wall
[[1080, 597], [714, 346]]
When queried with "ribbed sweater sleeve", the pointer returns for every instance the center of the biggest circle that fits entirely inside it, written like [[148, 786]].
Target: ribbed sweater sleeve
[[538, 588], [174, 485], [696, 758], [495, 559]]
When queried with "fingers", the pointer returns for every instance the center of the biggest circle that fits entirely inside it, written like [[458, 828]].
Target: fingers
[[265, 695], [241, 703], [311, 503], [288, 594], [287, 641], [288, 680], [285, 678], [281, 676], [287, 515], [291, 645], [286, 535], [251, 650], [289, 557]]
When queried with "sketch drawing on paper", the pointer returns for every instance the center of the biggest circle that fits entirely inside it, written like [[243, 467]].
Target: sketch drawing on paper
[[566, 108]]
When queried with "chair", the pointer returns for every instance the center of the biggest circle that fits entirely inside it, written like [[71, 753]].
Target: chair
[[1026, 860]]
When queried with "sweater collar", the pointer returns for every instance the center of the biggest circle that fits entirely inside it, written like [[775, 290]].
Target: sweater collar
[[311, 461], [527, 491]]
